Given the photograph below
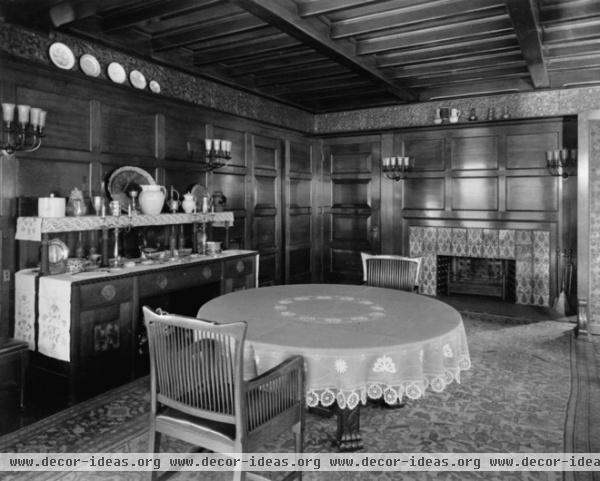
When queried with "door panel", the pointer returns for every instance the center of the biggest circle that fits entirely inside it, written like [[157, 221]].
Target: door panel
[[354, 204]]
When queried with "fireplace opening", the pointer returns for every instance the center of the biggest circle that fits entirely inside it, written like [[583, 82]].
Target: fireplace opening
[[476, 276]]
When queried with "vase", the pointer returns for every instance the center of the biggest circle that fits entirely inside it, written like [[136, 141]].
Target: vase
[[152, 199]]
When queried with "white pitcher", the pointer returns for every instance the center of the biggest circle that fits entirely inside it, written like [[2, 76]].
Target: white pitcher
[[189, 203], [152, 199]]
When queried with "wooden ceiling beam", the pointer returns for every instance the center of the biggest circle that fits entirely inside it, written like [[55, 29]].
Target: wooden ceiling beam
[[567, 32], [476, 88], [573, 49], [524, 16], [246, 49], [475, 75], [575, 78], [209, 30], [120, 19], [315, 33], [70, 11], [569, 11], [496, 25], [321, 7], [415, 14], [447, 50]]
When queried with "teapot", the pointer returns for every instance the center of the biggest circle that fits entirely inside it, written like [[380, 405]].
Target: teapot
[[152, 199], [189, 203]]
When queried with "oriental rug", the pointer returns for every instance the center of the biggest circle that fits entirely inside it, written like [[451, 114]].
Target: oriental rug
[[533, 387]]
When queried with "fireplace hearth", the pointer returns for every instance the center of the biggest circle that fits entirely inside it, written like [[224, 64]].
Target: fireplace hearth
[[476, 276]]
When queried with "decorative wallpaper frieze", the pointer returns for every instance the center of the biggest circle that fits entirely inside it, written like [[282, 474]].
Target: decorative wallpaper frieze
[[175, 84], [594, 227]]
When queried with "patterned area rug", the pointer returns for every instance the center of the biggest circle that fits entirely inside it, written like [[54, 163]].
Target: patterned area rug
[[517, 397]]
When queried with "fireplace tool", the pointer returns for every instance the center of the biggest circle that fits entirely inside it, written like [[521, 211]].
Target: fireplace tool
[[560, 306]]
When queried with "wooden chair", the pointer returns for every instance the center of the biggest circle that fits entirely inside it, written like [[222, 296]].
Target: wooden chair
[[198, 393], [394, 272]]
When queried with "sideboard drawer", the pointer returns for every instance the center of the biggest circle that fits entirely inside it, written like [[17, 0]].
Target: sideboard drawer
[[105, 292], [239, 267], [181, 278]]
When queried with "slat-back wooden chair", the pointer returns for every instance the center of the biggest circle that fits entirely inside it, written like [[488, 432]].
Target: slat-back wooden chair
[[394, 272], [198, 393]]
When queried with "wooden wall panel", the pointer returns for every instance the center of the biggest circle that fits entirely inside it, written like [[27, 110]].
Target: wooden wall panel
[[351, 193], [266, 191], [233, 187], [300, 192], [66, 128], [425, 193], [300, 231], [475, 193], [299, 265], [127, 131], [60, 179], [300, 158], [477, 152], [181, 129], [268, 267], [349, 228], [426, 149], [351, 158], [527, 151], [532, 194], [181, 178]]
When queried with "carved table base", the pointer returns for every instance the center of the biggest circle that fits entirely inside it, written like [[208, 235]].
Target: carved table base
[[348, 429]]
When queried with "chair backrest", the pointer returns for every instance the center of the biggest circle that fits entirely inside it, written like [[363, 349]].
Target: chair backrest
[[393, 272], [364, 256], [196, 366]]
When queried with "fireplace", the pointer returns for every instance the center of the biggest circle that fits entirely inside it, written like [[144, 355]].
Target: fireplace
[[476, 276]]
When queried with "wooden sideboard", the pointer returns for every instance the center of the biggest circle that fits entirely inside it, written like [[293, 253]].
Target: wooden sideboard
[[106, 338]]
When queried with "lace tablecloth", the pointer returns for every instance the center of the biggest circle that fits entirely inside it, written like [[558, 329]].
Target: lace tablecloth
[[358, 342]]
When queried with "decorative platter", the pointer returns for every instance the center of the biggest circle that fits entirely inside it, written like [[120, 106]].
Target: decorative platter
[[137, 79], [154, 86], [116, 72], [61, 56], [58, 253], [199, 191], [124, 180], [89, 65]]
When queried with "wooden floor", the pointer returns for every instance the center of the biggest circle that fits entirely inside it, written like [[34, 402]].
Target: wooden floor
[[41, 401]]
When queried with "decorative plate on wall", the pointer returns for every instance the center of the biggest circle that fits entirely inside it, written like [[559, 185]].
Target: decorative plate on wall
[[89, 65], [154, 86], [62, 56], [137, 79], [116, 72]]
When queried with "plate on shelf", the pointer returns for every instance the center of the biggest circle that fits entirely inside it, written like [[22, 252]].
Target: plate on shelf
[[89, 65], [62, 56], [58, 253], [137, 79], [154, 86], [124, 180], [116, 72], [199, 191]]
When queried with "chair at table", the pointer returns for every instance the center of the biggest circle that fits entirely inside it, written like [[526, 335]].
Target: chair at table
[[199, 395], [390, 271]]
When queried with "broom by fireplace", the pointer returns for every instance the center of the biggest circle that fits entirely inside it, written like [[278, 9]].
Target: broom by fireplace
[[561, 306]]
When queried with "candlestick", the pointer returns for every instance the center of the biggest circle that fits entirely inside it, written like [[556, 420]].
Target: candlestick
[[23, 113], [8, 112]]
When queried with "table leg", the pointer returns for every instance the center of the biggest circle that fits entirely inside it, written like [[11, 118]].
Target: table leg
[[348, 424]]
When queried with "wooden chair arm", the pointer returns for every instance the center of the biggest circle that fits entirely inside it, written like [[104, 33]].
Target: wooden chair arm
[[294, 363]]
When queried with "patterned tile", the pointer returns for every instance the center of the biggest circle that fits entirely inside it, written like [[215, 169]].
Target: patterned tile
[[475, 242], [429, 240], [459, 242], [415, 240], [541, 268], [523, 237], [490, 243], [429, 275], [444, 241], [506, 244]]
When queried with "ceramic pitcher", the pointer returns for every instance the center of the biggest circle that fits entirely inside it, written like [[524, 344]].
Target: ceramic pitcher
[[189, 203], [152, 199]]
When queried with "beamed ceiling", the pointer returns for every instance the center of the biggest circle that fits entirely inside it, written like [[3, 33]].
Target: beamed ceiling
[[331, 55]]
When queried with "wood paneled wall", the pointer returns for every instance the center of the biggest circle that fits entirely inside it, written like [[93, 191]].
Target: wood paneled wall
[[94, 127]]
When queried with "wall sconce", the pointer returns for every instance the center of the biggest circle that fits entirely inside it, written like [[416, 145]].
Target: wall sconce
[[561, 162], [216, 154], [24, 134], [396, 168]]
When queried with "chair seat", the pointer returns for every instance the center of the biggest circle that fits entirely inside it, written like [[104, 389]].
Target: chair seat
[[173, 416]]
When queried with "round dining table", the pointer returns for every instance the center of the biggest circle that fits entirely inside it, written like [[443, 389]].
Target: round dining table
[[358, 343]]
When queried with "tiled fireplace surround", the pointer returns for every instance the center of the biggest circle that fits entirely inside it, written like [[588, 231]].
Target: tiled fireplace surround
[[529, 248]]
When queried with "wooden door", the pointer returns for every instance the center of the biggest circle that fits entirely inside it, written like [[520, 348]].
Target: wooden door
[[266, 211], [298, 213], [352, 175]]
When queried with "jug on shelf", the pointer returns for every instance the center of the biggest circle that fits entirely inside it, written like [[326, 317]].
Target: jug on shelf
[[152, 199], [189, 203], [76, 205]]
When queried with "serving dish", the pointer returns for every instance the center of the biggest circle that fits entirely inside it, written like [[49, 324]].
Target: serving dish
[[89, 65], [137, 79], [124, 180], [116, 72], [61, 56], [199, 191]]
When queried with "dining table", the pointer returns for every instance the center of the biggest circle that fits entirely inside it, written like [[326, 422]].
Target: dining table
[[358, 343]]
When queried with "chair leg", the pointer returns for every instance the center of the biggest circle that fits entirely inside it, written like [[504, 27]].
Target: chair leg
[[298, 430], [154, 447]]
